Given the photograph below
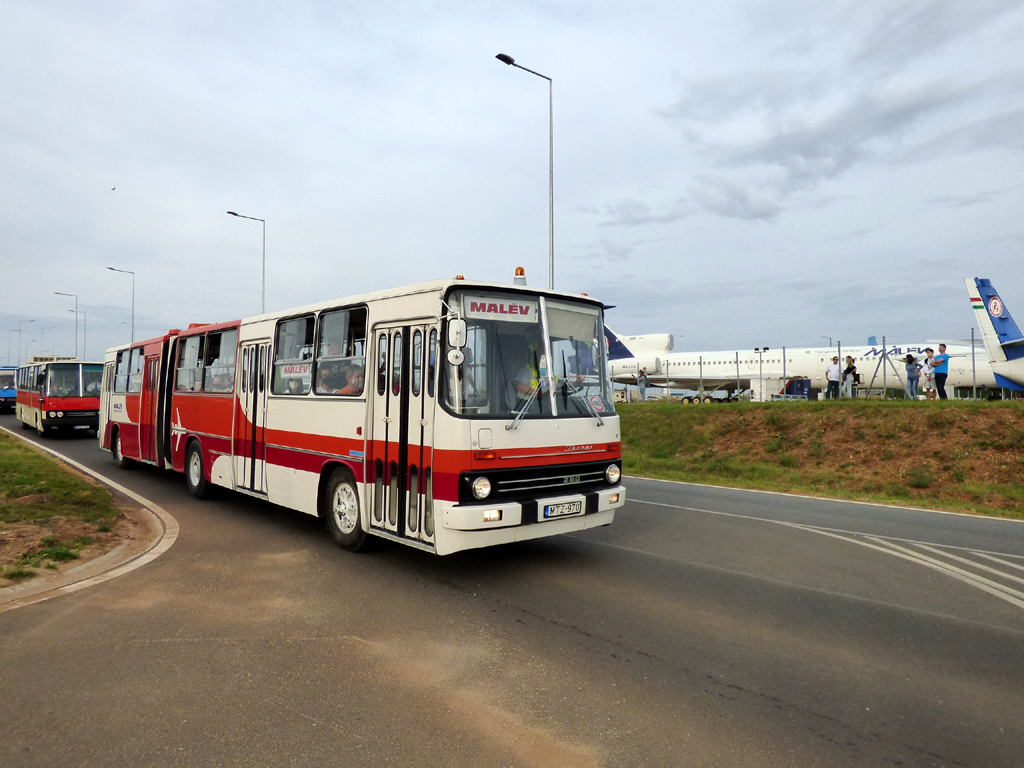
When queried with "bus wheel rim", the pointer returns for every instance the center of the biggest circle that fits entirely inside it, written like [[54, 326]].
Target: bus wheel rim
[[344, 508], [194, 471]]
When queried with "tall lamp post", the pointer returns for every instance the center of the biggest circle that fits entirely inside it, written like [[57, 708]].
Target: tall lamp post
[[75, 296], [85, 332], [128, 272], [21, 323], [506, 59], [263, 284]]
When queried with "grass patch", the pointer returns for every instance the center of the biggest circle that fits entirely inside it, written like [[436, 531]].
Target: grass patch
[[885, 451], [35, 488]]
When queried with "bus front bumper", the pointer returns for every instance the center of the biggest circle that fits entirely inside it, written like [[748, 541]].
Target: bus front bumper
[[580, 507], [72, 419]]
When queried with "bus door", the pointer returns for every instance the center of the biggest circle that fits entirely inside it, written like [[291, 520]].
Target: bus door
[[418, 508], [250, 449], [402, 430], [148, 409]]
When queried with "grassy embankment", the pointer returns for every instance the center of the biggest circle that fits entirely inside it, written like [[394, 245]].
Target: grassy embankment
[[38, 491], [963, 456]]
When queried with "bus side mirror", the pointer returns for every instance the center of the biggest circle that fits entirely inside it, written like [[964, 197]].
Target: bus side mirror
[[457, 333]]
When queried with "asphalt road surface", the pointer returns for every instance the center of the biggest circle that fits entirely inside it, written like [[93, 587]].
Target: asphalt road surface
[[706, 627]]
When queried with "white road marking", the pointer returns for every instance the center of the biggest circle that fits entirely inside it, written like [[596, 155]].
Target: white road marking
[[888, 545]]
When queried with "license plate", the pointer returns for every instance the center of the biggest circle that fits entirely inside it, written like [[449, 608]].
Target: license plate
[[561, 510]]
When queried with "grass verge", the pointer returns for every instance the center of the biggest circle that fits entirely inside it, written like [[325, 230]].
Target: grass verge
[[954, 455], [38, 492]]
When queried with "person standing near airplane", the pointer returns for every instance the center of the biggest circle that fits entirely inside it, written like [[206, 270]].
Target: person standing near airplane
[[642, 382], [833, 375], [850, 378], [913, 376], [941, 363], [928, 374]]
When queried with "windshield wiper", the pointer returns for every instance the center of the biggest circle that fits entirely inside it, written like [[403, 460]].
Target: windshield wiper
[[575, 391], [526, 406]]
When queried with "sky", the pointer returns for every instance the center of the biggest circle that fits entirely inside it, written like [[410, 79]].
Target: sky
[[739, 174]]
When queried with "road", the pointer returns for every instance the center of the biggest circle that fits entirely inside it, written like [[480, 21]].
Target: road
[[706, 627]]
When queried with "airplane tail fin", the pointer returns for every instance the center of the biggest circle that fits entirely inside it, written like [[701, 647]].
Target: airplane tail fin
[[616, 349], [1003, 338]]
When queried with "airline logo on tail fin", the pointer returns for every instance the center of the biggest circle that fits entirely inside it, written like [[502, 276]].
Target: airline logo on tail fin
[[1003, 338], [616, 349]]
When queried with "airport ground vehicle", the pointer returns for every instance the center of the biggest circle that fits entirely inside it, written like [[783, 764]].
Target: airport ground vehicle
[[464, 436], [8, 390], [58, 395]]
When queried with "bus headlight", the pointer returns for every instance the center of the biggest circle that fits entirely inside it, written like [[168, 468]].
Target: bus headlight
[[481, 487], [612, 474]]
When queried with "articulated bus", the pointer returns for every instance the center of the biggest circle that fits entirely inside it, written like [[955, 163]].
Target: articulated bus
[[486, 415], [59, 395], [8, 390]]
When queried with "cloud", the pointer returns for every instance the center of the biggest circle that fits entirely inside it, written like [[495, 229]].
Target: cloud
[[632, 212], [736, 199]]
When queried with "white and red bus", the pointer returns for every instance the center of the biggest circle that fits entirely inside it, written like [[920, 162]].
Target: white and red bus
[[486, 415], [59, 395]]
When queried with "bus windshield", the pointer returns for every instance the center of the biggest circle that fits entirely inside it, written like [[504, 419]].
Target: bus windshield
[[528, 357], [62, 380], [7, 379]]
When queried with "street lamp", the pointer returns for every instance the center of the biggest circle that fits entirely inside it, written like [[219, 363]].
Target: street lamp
[[85, 331], [21, 323], [128, 272], [760, 354], [829, 340], [76, 317], [505, 59], [263, 286]]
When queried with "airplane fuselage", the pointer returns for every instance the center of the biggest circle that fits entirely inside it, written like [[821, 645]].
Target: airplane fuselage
[[736, 370]]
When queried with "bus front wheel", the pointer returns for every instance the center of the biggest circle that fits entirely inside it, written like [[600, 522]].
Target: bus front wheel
[[195, 475], [341, 512], [122, 461]]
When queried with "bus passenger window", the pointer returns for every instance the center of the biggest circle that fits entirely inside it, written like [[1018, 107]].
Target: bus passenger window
[[135, 368], [340, 361], [220, 361], [121, 377], [293, 356], [190, 355]]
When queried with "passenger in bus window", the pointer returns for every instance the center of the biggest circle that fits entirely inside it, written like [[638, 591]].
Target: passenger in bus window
[[221, 382], [353, 381], [327, 379]]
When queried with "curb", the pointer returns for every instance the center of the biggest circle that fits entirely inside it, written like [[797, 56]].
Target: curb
[[117, 562]]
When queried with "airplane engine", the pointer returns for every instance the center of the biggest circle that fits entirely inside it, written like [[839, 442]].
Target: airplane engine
[[653, 342]]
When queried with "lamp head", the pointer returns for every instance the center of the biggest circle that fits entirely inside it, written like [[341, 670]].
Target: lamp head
[[505, 59]]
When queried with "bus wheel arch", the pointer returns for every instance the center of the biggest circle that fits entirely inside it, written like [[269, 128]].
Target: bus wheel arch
[[115, 448], [339, 506], [195, 470]]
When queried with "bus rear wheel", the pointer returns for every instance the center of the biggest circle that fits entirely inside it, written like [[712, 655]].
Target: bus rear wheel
[[341, 512], [122, 461], [195, 473]]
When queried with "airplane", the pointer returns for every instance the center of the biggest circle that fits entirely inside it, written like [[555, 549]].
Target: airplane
[[769, 372], [1004, 342]]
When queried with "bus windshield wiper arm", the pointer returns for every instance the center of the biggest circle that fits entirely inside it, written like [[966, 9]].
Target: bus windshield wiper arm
[[526, 406], [577, 392]]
